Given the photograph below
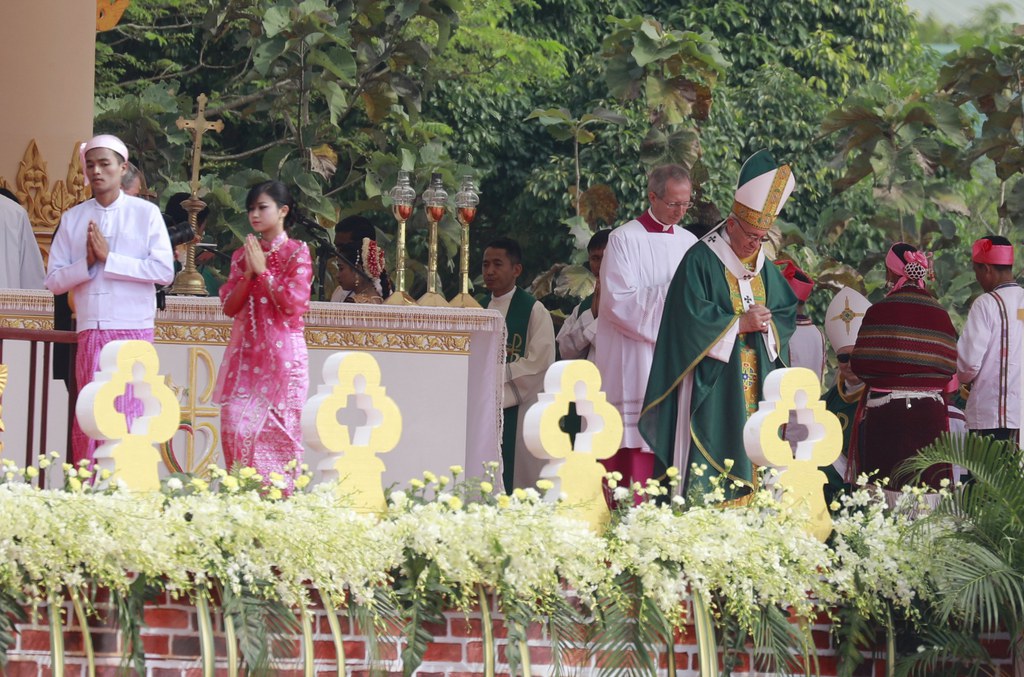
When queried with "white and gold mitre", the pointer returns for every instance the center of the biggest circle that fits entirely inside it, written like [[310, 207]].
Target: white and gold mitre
[[844, 316], [762, 190]]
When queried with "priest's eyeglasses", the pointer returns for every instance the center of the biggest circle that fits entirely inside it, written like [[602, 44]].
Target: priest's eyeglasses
[[752, 237], [675, 205]]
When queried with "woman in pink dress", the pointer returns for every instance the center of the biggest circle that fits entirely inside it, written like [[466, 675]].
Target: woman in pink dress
[[264, 376]]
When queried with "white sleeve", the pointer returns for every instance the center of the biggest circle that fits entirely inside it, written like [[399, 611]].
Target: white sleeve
[[33, 274], [524, 375], [975, 338], [65, 273], [577, 334], [157, 267]]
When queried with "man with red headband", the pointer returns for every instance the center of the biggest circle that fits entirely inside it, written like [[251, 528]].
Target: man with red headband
[[906, 354], [807, 345], [109, 252], [989, 349]]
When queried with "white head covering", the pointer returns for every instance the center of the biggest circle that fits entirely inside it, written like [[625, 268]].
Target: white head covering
[[101, 141], [844, 316]]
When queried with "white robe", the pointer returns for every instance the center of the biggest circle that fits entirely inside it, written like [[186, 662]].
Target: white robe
[[979, 362], [524, 379], [22, 262], [635, 274], [578, 335], [807, 348], [118, 293]]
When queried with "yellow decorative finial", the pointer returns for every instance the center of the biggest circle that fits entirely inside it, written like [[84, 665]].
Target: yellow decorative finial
[[108, 13], [794, 392], [352, 383], [574, 466], [131, 455]]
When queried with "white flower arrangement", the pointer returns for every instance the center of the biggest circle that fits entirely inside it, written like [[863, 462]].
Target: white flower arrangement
[[243, 533]]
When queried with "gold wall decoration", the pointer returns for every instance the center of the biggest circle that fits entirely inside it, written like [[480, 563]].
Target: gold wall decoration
[[575, 467], [109, 12], [199, 416], [46, 204], [793, 394], [129, 453], [352, 382]]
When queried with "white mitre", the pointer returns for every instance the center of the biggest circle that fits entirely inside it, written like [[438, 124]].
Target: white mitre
[[844, 316]]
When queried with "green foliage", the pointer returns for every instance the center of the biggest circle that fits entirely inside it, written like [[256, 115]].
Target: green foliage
[[130, 614], [265, 626], [12, 612]]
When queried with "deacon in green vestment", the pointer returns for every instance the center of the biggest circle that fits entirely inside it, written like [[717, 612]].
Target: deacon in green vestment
[[727, 324], [530, 350]]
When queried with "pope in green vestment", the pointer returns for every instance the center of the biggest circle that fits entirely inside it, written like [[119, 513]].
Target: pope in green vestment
[[728, 319]]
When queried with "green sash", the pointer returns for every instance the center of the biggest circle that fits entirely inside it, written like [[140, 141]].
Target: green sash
[[517, 324]]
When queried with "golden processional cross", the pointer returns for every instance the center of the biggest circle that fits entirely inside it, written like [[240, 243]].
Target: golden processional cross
[[189, 281]]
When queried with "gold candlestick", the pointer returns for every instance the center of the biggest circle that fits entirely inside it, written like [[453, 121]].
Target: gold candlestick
[[466, 201], [435, 197], [403, 197], [189, 281]]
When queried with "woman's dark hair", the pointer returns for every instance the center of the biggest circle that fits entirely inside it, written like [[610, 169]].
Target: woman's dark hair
[[352, 253], [900, 249], [278, 192]]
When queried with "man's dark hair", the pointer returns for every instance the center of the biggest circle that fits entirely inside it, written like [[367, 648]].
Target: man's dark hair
[[599, 240], [511, 247], [177, 213], [359, 226], [8, 194], [999, 240]]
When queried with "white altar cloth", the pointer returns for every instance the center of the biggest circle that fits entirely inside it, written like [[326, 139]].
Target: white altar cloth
[[442, 366]]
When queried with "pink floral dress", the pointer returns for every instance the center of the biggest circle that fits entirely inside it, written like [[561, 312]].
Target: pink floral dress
[[264, 376]]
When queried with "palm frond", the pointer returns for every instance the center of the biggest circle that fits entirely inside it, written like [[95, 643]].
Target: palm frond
[[265, 627], [944, 652], [12, 611], [629, 628], [978, 586], [380, 614], [567, 629], [852, 632], [778, 643], [130, 618]]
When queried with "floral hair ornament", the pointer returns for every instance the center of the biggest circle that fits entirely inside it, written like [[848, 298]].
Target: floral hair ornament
[[372, 258], [101, 141], [913, 267], [985, 251]]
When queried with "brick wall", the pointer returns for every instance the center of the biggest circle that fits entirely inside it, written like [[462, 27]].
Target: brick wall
[[171, 640]]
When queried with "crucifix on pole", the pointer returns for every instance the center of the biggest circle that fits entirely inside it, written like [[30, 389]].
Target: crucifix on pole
[[189, 281]]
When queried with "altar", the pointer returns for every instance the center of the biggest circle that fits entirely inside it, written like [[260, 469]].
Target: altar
[[442, 366]]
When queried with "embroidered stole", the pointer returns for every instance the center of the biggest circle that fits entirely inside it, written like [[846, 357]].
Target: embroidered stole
[[744, 279]]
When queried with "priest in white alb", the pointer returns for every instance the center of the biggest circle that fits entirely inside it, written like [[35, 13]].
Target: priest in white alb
[[641, 257], [22, 262]]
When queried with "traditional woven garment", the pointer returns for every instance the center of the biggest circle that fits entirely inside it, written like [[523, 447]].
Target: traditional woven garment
[[906, 341], [906, 353]]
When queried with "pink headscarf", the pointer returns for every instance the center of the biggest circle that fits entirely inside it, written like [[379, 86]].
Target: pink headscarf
[[911, 268], [984, 251], [101, 141]]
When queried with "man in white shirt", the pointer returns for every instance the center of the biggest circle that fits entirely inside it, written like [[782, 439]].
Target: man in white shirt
[[639, 262], [578, 335], [22, 261], [109, 252], [530, 350], [989, 348]]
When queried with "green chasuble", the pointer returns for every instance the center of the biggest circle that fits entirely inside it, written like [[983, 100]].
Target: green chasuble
[[699, 311], [844, 406], [517, 322]]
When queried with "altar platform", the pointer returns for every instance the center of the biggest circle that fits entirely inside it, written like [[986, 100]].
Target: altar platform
[[442, 366]]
